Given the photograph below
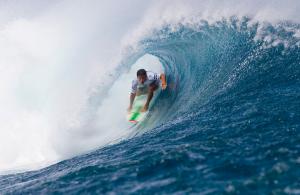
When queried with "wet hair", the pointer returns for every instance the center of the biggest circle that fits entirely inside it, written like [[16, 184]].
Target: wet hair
[[141, 72]]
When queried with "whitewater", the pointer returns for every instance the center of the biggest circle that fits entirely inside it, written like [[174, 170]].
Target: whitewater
[[228, 122]]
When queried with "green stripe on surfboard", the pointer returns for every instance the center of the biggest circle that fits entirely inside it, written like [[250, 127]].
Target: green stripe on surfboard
[[136, 115]]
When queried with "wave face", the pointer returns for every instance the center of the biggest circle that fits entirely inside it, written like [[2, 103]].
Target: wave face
[[228, 123]]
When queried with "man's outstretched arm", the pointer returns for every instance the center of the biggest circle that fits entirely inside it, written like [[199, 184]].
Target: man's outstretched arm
[[132, 96], [149, 98]]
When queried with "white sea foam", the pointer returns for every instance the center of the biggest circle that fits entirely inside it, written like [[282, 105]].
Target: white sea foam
[[192, 12], [55, 56], [50, 61]]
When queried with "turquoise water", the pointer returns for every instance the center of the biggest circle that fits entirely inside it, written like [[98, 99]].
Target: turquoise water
[[229, 121]]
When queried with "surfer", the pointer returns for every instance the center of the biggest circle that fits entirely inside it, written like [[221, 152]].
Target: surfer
[[146, 82]]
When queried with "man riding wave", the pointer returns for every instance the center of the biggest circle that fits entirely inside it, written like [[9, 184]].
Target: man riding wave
[[146, 83]]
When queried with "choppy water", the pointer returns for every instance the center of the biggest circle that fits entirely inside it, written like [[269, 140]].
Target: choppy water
[[228, 123]]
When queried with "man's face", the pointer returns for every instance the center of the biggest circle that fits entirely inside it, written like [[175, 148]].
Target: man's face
[[142, 78]]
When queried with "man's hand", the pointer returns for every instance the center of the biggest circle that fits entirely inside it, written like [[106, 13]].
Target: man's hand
[[145, 108], [129, 108], [163, 81]]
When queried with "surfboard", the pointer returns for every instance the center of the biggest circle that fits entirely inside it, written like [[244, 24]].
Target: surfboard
[[135, 115]]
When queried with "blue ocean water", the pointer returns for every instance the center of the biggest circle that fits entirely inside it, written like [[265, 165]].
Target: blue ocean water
[[228, 123]]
